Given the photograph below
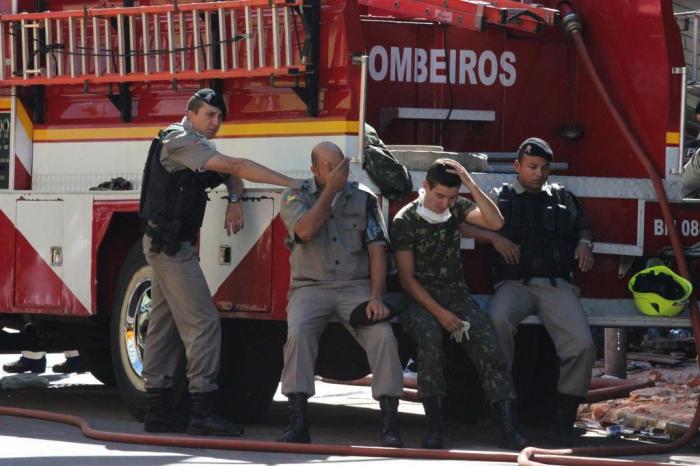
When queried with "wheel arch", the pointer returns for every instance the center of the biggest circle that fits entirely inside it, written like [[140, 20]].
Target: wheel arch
[[119, 232]]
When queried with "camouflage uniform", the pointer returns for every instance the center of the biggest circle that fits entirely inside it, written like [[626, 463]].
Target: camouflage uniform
[[438, 268]]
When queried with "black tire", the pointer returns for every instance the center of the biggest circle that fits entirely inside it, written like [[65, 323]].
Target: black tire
[[129, 323], [251, 365], [98, 360]]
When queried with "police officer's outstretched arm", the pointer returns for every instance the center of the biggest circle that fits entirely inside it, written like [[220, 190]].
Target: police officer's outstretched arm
[[486, 214], [247, 170]]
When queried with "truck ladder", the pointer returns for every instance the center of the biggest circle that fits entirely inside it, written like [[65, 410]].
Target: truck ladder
[[470, 14], [227, 39]]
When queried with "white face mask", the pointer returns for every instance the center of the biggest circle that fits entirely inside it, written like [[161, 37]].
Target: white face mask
[[427, 214]]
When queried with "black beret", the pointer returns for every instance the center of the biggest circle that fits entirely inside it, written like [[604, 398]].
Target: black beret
[[212, 98], [536, 147]]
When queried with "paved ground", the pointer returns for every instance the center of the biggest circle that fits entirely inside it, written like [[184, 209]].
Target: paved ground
[[341, 415]]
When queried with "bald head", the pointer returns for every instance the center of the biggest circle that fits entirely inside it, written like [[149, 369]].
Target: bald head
[[326, 151]]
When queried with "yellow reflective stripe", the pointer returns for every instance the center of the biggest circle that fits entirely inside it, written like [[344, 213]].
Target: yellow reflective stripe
[[287, 128], [5, 103], [673, 137], [24, 119]]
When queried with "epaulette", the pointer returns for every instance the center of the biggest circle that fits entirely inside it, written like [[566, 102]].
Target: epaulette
[[362, 187]]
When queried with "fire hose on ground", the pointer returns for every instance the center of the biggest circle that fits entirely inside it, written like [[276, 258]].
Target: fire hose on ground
[[591, 456]]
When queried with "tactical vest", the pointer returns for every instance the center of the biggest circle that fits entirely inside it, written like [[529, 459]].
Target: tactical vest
[[172, 203], [544, 227]]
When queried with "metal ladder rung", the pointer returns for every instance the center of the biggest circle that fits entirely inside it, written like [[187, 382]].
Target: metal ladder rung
[[149, 43]]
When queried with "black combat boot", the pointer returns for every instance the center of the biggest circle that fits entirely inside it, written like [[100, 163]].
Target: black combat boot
[[35, 366], [204, 420], [159, 412], [511, 438], [391, 435], [435, 438], [567, 409], [298, 429]]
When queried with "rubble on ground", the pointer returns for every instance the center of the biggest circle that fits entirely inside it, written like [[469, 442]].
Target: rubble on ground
[[664, 410]]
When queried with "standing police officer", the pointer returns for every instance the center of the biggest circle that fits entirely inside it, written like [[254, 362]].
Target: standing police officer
[[182, 163], [533, 258]]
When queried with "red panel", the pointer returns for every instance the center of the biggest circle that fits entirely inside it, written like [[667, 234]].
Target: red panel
[[23, 180], [687, 217], [36, 284], [612, 220], [248, 286], [7, 262]]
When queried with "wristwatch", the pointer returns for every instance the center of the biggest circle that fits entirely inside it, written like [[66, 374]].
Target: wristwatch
[[233, 198], [586, 241]]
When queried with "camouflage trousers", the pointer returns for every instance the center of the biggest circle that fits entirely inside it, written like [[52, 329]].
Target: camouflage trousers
[[482, 348]]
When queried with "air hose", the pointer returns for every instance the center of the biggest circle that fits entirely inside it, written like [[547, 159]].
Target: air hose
[[572, 27]]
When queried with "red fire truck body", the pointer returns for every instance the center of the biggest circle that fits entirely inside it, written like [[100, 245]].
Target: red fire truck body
[[74, 116]]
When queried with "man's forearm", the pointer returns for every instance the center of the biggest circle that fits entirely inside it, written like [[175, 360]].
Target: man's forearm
[[479, 234], [377, 268], [257, 173], [491, 215], [419, 294], [235, 185], [311, 222]]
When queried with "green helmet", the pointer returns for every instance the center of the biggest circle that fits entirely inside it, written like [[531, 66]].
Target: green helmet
[[658, 291]]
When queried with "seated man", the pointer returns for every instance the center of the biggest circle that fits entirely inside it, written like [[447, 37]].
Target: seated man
[[338, 262], [426, 240], [533, 260]]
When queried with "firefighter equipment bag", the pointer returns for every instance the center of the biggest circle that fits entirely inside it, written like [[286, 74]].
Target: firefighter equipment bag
[[391, 176]]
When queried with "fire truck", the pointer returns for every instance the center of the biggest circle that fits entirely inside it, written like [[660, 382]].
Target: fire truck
[[86, 85]]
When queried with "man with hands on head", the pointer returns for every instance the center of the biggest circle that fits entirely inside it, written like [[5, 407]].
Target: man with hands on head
[[182, 163], [426, 240], [338, 262], [544, 238]]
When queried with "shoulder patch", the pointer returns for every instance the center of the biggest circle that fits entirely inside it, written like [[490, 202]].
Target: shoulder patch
[[289, 198]]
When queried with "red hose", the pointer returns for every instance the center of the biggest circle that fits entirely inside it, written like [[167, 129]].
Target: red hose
[[311, 449], [573, 29], [618, 391]]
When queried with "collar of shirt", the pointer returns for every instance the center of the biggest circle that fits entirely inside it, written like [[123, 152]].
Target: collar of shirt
[[190, 129], [519, 189]]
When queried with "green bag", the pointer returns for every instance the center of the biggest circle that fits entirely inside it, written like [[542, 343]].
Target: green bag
[[391, 176]]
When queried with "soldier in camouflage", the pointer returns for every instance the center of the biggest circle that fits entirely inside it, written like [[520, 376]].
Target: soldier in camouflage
[[426, 240]]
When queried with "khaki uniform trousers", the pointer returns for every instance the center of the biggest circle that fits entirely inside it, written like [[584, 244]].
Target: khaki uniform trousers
[[562, 315], [181, 311], [309, 309]]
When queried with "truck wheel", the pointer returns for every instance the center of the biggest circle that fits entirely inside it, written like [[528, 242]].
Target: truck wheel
[[251, 365], [99, 362], [129, 324]]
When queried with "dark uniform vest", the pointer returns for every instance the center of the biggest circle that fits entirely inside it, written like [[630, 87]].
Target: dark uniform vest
[[172, 203], [544, 227]]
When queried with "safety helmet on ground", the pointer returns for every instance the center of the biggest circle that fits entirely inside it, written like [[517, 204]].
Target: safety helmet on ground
[[658, 291]]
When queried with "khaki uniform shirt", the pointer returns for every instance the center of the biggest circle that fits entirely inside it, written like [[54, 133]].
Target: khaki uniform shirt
[[338, 252], [185, 148]]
